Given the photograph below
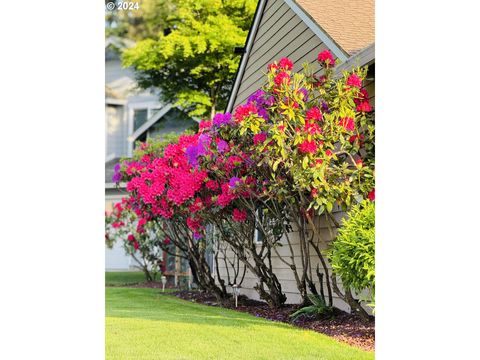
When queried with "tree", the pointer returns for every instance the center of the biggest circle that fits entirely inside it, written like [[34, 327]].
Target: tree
[[194, 65]]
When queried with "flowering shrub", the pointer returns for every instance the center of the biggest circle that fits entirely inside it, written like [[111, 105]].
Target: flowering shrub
[[139, 239], [297, 148]]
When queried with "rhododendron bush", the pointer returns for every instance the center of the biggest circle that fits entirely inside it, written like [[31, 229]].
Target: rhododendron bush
[[300, 148]]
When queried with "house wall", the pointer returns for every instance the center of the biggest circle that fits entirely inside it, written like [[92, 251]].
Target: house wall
[[283, 272], [281, 33]]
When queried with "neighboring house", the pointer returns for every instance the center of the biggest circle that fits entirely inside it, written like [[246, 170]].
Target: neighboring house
[[299, 30], [130, 115]]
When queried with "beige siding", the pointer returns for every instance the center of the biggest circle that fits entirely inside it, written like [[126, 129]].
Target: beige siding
[[281, 34]]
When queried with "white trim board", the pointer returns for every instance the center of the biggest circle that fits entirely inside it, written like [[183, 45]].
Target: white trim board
[[361, 58]]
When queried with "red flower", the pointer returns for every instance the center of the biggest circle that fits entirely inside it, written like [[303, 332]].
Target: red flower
[[281, 78], [135, 245], [204, 125], [312, 128], [167, 240], [328, 153], [131, 237], [285, 63], [118, 224], [281, 128], [307, 147], [359, 162], [326, 57], [211, 185], [314, 192], [371, 195], [364, 107], [347, 123], [239, 215], [314, 114], [272, 67], [354, 80], [242, 111]]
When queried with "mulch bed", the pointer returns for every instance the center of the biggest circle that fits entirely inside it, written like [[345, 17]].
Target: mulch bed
[[342, 326]]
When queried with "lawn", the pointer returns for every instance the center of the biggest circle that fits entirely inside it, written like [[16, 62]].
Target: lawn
[[120, 278], [144, 324]]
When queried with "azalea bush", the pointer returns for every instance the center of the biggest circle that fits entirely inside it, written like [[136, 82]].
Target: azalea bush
[[353, 251], [139, 240]]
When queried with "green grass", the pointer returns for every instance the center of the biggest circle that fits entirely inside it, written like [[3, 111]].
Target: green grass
[[123, 278], [144, 324]]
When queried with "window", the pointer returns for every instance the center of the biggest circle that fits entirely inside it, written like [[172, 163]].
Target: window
[[258, 234], [140, 117]]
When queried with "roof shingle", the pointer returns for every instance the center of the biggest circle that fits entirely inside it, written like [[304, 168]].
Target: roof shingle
[[350, 23]]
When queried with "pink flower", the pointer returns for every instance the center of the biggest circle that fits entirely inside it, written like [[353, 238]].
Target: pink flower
[[242, 111], [281, 78], [239, 215], [347, 123], [326, 57], [285, 63], [364, 107], [307, 147], [204, 125], [118, 224], [312, 128], [259, 138], [212, 185], [354, 80], [314, 114]]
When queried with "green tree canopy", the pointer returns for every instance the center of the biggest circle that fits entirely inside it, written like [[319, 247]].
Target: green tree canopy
[[194, 65]]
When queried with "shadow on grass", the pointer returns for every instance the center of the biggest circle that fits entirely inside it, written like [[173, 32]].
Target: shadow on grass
[[151, 304]]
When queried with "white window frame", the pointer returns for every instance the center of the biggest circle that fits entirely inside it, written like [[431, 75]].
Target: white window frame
[[149, 106]]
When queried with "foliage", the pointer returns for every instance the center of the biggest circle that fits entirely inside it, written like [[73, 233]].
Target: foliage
[[318, 307], [194, 65], [353, 251], [140, 324], [139, 239], [299, 146]]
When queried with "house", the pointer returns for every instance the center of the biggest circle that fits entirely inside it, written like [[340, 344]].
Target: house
[[130, 115], [299, 30]]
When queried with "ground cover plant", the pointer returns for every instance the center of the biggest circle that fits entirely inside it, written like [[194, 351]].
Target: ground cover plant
[[142, 324]]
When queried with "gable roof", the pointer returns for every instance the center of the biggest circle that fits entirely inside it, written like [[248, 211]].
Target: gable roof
[[350, 23]]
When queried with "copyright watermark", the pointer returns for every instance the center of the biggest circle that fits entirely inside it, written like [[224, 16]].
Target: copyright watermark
[[122, 6]]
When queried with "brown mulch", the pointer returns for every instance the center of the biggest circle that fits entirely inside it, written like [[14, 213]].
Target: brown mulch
[[342, 326]]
